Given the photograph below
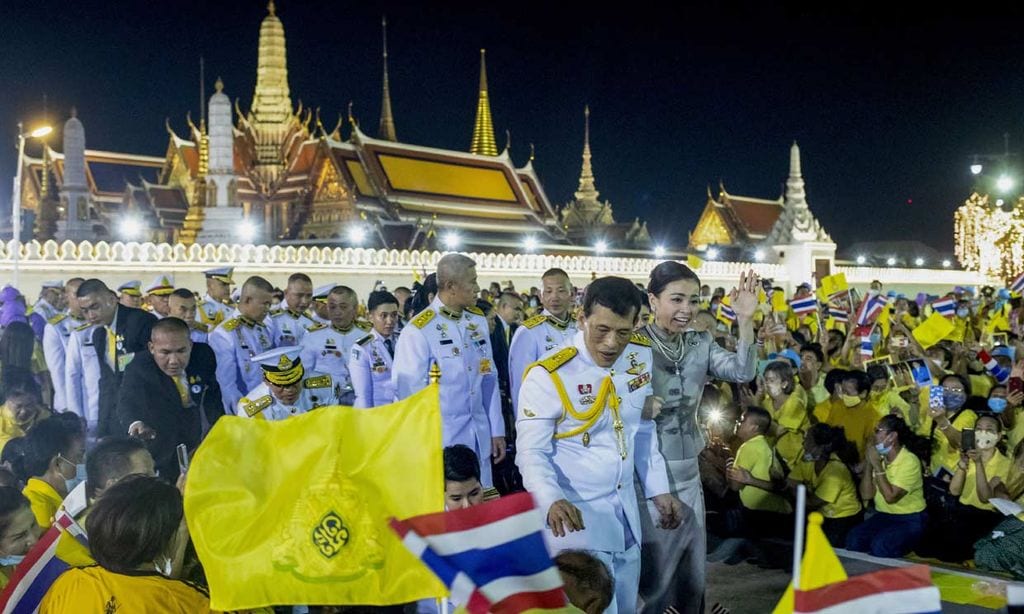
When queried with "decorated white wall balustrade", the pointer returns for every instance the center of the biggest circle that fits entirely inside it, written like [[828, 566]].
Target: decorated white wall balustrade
[[360, 268]]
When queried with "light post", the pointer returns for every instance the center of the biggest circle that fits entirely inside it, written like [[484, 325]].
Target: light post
[[38, 133]]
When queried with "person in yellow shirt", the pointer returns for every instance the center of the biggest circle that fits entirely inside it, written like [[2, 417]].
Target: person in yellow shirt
[[1007, 406], [22, 409], [137, 534], [947, 420], [848, 407], [53, 463], [786, 401], [893, 480], [812, 377], [757, 475], [830, 485], [18, 531], [980, 472]]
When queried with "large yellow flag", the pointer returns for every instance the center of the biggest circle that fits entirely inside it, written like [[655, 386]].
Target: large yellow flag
[[295, 511], [932, 330], [819, 567]]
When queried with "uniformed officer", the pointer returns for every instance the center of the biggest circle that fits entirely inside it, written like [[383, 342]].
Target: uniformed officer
[[49, 301], [326, 348], [129, 294], [241, 337], [318, 308], [552, 328], [82, 377], [157, 293], [452, 333], [582, 434], [55, 341], [216, 305], [369, 363], [287, 388], [181, 304], [292, 319]]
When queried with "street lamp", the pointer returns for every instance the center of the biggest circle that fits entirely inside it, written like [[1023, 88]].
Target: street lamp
[[452, 240], [38, 133], [1005, 183], [601, 247], [861, 259], [530, 243], [356, 234], [659, 251]]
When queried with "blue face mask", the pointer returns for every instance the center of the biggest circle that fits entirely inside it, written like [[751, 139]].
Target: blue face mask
[[997, 405], [79, 475], [954, 400], [883, 449], [9, 561], [876, 339], [962, 313]]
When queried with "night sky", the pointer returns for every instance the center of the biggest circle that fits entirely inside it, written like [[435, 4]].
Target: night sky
[[887, 104]]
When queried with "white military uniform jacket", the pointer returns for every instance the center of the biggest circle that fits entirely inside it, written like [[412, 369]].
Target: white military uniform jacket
[[82, 376], [560, 457], [234, 343], [326, 349], [461, 347], [536, 337], [318, 390], [45, 309], [55, 342], [290, 326], [212, 312], [369, 365]]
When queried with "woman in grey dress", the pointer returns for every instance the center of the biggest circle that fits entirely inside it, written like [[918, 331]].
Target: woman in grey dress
[[673, 561]]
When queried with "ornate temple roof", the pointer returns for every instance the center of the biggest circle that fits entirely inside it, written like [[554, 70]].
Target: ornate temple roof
[[735, 220]]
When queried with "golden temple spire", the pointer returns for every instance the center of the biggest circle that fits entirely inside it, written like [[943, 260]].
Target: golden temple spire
[[271, 113], [270, 8], [587, 190], [387, 120], [483, 131]]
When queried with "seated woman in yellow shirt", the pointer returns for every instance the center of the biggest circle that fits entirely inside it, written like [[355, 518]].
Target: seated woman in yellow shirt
[[830, 485], [22, 409], [848, 406], [946, 422], [53, 463], [137, 535], [893, 479], [18, 531], [757, 475], [786, 401]]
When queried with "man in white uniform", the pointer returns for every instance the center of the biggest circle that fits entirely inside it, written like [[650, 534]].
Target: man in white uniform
[[326, 348], [292, 319], [216, 306], [539, 335], [369, 363], [55, 342], [453, 334], [240, 338], [287, 388], [582, 433]]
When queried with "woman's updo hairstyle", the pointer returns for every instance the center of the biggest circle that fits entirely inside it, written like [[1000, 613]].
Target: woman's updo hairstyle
[[668, 272]]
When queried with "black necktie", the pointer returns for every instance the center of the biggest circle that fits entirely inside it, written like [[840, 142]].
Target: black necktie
[[390, 345]]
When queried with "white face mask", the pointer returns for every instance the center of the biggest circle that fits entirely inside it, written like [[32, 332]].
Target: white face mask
[[774, 389], [985, 440]]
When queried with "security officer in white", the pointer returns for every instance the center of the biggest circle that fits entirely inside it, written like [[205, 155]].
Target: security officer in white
[[241, 337], [292, 319], [318, 309], [582, 432], [216, 306], [287, 388], [453, 334], [129, 294], [56, 335], [82, 378], [326, 348], [370, 360], [552, 329], [48, 304]]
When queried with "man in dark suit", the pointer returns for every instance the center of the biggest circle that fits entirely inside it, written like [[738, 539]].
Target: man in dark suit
[[508, 314], [166, 392], [120, 332]]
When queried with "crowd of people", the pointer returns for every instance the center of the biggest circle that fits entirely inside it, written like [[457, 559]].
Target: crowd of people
[[648, 421]]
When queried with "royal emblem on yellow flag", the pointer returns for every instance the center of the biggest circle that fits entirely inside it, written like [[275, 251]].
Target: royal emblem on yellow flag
[[832, 285], [296, 511]]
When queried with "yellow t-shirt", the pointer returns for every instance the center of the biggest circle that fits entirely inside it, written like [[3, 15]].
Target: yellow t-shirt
[[9, 428], [858, 422], [1014, 435], [942, 454], [94, 589], [44, 501], [834, 485], [889, 400], [981, 384], [903, 472], [757, 457], [996, 467], [792, 416]]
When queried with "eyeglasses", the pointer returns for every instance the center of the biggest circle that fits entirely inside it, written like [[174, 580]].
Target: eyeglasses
[[879, 429]]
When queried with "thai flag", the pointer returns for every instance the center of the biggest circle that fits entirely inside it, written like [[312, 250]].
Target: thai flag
[[945, 307], [804, 306], [866, 349], [1001, 374], [726, 314], [871, 308], [839, 315], [492, 557], [1017, 285], [905, 590]]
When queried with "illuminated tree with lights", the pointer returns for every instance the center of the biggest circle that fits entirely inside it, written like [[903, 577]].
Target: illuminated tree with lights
[[990, 238]]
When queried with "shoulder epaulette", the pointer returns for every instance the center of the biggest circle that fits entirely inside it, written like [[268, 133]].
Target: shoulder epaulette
[[276, 312], [199, 326], [559, 358], [364, 326], [639, 339], [319, 381], [365, 340], [254, 407], [315, 327], [83, 326], [55, 320], [424, 318], [535, 321], [473, 309], [232, 324]]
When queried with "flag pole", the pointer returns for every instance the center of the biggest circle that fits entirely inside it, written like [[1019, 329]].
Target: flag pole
[[444, 605], [798, 536]]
